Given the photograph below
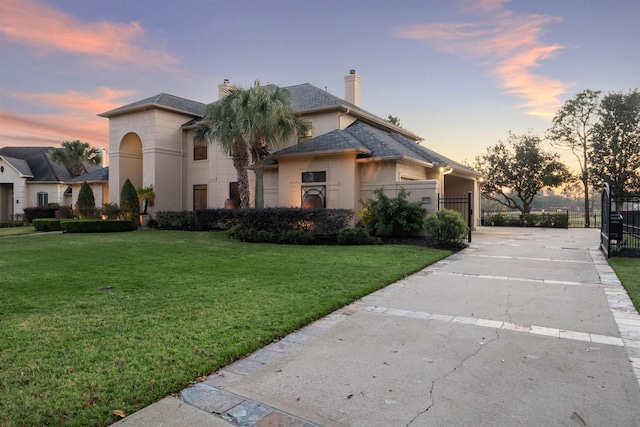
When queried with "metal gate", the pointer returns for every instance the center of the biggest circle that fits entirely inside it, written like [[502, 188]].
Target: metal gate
[[605, 241], [460, 204]]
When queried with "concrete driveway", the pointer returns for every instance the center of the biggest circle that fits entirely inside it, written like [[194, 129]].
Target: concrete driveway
[[526, 327]]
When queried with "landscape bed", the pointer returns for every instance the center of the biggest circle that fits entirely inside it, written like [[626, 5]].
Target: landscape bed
[[97, 323]]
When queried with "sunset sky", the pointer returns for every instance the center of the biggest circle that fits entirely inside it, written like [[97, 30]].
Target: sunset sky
[[461, 74]]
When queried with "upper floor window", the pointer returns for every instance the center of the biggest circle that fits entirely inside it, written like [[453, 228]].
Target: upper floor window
[[306, 136], [200, 150], [43, 198]]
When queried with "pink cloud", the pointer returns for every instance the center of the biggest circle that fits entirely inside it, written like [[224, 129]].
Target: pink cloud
[[75, 117], [509, 44], [46, 30]]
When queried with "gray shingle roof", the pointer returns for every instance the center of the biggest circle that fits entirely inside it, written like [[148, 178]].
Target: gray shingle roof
[[370, 142], [39, 162], [21, 165], [101, 174], [162, 100]]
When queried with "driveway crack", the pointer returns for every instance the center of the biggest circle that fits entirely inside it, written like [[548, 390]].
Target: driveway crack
[[462, 362]]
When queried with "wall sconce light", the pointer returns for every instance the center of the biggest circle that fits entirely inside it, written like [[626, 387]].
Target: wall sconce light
[[17, 201]]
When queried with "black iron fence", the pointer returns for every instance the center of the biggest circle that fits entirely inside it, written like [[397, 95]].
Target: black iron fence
[[620, 229], [560, 218]]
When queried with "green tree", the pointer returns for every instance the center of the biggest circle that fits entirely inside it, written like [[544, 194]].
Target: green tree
[[147, 196], [394, 120], [268, 120], [515, 172], [73, 154], [86, 202], [223, 123], [616, 144], [572, 129], [129, 203]]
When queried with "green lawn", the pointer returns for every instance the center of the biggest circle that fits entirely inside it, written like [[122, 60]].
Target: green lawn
[[14, 231], [92, 323], [628, 271]]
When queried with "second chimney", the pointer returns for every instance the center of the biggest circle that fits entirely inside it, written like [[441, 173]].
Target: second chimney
[[352, 88], [223, 89]]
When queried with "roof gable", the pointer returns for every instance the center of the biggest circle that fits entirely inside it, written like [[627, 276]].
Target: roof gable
[[20, 165], [38, 160], [162, 101]]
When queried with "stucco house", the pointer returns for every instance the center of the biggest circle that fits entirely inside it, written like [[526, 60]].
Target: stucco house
[[28, 177], [348, 154]]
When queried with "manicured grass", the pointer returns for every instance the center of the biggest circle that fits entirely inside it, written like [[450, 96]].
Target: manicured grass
[[15, 231], [628, 271], [92, 323]]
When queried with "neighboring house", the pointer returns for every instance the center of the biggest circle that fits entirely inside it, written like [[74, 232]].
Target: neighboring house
[[348, 154], [28, 178]]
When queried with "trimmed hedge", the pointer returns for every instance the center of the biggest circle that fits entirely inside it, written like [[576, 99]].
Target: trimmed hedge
[[320, 222], [47, 224], [34, 212], [549, 220], [357, 236], [10, 224], [97, 226]]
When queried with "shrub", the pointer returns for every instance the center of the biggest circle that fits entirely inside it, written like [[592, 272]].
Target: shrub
[[253, 235], [446, 227], [97, 226], [357, 236], [86, 202], [392, 216], [65, 212], [169, 220], [34, 212], [111, 210], [9, 224], [129, 202], [47, 224]]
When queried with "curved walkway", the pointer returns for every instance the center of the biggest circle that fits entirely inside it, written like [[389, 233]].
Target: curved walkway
[[526, 327]]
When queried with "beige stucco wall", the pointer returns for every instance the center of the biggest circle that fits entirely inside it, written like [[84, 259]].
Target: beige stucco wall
[[15, 189], [340, 187], [160, 135]]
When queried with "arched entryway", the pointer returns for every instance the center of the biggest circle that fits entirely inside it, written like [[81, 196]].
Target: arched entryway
[[130, 160]]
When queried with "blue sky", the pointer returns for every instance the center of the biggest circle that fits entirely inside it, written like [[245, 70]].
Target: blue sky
[[461, 74]]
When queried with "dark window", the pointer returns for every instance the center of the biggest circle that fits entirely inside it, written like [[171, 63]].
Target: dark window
[[43, 199], [200, 196], [199, 150], [234, 194], [314, 177]]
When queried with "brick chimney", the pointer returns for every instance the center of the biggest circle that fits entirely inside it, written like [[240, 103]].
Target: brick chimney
[[352, 88], [223, 89]]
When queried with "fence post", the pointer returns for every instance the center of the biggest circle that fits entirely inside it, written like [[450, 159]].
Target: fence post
[[469, 214]]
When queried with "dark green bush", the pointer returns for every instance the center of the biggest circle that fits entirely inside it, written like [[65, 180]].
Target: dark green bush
[[392, 216], [34, 212], [111, 210], [446, 227], [357, 236], [47, 224], [97, 225], [517, 219], [86, 202], [182, 220], [253, 235], [129, 202], [9, 224], [65, 212]]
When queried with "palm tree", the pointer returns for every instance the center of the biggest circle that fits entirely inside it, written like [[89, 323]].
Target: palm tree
[[146, 195], [268, 120], [223, 123], [73, 154]]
